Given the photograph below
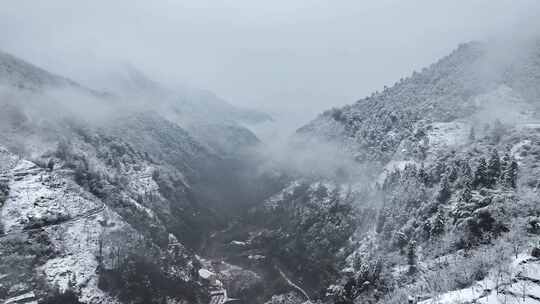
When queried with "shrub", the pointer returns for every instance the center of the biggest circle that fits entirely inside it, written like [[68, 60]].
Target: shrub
[[141, 279], [57, 297], [4, 191]]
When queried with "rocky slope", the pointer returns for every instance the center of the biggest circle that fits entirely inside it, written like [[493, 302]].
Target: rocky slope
[[103, 201], [57, 237]]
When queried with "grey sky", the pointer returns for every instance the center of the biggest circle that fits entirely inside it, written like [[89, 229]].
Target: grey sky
[[297, 56]]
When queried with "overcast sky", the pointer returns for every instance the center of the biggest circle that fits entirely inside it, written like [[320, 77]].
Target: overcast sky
[[290, 55]]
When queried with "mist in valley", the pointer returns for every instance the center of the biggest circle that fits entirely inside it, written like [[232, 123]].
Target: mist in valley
[[291, 152]]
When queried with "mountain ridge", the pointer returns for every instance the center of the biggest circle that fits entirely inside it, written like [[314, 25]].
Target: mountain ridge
[[435, 193]]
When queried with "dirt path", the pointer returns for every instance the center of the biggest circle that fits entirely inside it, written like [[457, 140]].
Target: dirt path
[[292, 284], [85, 215]]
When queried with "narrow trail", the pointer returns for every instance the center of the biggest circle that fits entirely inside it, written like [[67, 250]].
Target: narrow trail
[[34, 170], [85, 215], [292, 284]]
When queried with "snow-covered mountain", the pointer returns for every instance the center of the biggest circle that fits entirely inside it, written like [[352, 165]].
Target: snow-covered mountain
[[18, 73], [452, 153], [426, 191], [100, 195], [478, 83], [205, 115]]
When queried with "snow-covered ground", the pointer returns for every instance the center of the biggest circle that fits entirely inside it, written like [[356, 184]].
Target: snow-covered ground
[[393, 165], [503, 104], [38, 198], [72, 219], [520, 285], [76, 267], [274, 201], [448, 134]]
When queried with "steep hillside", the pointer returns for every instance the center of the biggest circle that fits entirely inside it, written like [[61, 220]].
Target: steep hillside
[[18, 73], [426, 191], [459, 86], [61, 241], [139, 189], [454, 180], [206, 116], [187, 103]]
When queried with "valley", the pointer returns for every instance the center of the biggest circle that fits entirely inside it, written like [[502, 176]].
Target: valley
[[427, 190]]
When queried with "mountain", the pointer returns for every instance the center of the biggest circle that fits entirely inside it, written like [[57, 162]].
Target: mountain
[[191, 104], [202, 113], [104, 199], [424, 192], [437, 195], [455, 155], [18, 73], [464, 85]]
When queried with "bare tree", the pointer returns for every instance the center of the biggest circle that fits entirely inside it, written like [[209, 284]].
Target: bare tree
[[516, 237]]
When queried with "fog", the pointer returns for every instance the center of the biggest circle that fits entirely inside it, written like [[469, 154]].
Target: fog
[[293, 59]]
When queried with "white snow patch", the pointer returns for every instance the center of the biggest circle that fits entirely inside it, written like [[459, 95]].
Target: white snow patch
[[392, 166], [502, 104], [76, 267], [515, 150], [274, 200], [521, 287], [239, 243], [206, 274], [448, 134], [40, 197], [19, 298]]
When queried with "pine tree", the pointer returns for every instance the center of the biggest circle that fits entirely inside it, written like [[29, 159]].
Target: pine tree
[[444, 193], [472, 134], [481, 174], [452, 172], [466, 194], [438, 170], [466, 175], [509, 174], [388, 227], [4, 191], [381, 220], [411, 256], [423, 177], [493, 169], [439, 222], [513, 173], [401, 240], [409, 171], [505, 162], [391, 180], [498, 131]]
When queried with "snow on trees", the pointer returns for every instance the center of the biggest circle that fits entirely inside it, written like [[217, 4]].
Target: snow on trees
[[411, 257], [445, 192], [481, 177], [509, 172], [493, 169], [439, 223]]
